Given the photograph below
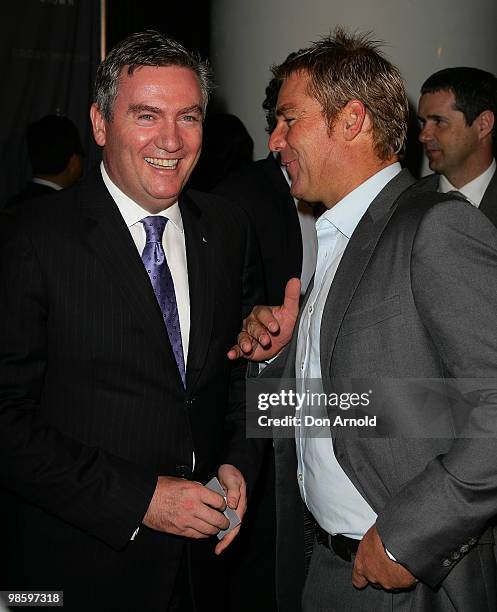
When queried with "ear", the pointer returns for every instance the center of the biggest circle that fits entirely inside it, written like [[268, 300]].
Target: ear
[[98, 122], [353, 117], [486, 121], [75, 165]]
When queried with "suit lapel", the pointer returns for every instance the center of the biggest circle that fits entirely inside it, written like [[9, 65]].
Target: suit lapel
[[199, 255], [488, 204], [109, 238], [354, 261]]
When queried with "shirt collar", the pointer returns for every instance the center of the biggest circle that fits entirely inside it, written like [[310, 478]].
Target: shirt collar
[[40, 181], [132, 212], [474, 190], [347, 213]]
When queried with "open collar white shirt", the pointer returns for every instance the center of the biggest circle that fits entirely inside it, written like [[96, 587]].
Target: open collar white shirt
[[329, 494]]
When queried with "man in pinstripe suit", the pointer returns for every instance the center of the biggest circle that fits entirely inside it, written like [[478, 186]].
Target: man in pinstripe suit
[[111, 419]]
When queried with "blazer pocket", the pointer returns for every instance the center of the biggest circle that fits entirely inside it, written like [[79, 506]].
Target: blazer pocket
[[360, 319]]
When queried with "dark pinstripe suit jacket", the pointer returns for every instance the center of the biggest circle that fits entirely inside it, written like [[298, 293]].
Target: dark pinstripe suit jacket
[[92, 408]]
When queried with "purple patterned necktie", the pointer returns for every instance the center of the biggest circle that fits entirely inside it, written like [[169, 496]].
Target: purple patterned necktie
[[154, 258]]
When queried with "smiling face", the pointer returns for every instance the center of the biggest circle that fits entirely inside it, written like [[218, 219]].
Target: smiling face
[[305, 144], [449, 142], [153, 140]]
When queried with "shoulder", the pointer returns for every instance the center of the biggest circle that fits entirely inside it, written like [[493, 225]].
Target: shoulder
[[453, 228], [47, 216], [217, 208], [428, 183]]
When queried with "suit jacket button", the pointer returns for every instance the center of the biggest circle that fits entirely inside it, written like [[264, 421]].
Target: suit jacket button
[[446, 562], [464, 548], [183, 471], [472, 541]]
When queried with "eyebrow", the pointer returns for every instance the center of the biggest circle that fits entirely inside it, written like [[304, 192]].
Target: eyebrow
[[432, 116], [285, 108], [191, 109], [140, 108]]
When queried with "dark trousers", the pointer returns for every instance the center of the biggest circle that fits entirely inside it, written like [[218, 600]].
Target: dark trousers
[[329, 588]]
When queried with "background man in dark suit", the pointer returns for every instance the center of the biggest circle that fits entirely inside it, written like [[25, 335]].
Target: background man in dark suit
[[114, 404], [404, 288], [457, 111], [286, 234], [284, 226], [56, 156]]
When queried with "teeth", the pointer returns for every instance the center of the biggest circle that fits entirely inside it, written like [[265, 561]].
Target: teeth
[[163, 163]]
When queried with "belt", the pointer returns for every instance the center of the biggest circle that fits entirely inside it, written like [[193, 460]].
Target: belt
[[341, 545]]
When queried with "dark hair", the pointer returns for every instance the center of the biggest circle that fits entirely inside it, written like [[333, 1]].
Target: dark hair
[[271, 99], [52, 140], [269, 104], [343, 67], [474, 90], [149, 48]]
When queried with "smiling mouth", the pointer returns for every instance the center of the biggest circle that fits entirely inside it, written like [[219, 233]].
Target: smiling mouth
[[158, 162]]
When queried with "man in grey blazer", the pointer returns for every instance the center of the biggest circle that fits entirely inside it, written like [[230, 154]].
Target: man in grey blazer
[[457, 112], [401, 292]]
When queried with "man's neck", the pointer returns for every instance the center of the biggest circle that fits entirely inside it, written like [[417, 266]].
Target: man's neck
[[471, 170], [358, 175]]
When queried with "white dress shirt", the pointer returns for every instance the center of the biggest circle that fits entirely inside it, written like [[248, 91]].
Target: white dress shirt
[[173, 242], [328, 492], [472, 191], [40, 181]]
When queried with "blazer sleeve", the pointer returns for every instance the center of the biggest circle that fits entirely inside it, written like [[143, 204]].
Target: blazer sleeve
[[101, 494], [438, 516]]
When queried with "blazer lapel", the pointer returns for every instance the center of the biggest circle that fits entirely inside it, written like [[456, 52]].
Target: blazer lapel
[[199, 255], [354, 261], [488, 204], [108, 236]]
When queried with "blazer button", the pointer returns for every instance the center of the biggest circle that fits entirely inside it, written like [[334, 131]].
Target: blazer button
[[183, 471], [446, 562], [464, 548]]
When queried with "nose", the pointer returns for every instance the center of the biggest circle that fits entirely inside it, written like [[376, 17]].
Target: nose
[[426, 134], [168, 137], [277, 140]]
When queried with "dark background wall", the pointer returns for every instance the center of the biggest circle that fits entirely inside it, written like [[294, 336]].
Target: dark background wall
[[188, 22], [50, 50]]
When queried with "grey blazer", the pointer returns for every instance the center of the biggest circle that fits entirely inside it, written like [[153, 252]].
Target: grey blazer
[[413, 297], [488, 205]]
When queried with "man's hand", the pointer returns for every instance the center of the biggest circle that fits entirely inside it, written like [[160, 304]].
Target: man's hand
[[233, 483], [372, 565], [185, 508], [268, 329]]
